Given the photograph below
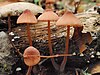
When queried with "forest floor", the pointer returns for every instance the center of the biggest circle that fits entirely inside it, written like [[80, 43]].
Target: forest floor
[[13, 64]]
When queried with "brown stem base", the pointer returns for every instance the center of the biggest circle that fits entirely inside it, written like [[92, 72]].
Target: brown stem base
[[29, 34], [29, 70], [63, 64], [56, 66]]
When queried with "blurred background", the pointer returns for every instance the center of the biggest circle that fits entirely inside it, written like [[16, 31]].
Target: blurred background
[[76, 6]]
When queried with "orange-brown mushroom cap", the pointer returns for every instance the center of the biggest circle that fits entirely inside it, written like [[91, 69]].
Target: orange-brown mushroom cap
[[69, 19], [28, 58], [27, 17], [50, 1], [48, 15]]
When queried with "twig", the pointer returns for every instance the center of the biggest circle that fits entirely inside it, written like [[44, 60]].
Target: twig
[[17, 50], [52, 56]]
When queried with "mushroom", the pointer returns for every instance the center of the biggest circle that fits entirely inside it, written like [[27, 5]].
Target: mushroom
[[46, 18], [10, 8], [27, 17], [68, 19], [29, 60]]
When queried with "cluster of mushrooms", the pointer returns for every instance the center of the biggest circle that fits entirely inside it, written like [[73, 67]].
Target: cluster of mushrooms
[[32, 55]]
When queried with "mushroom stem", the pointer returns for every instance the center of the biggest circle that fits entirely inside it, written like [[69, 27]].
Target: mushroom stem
[[50, 47], [29, 70], [29, 34], [9, 23], [9, 30], [49, 39], [63, 64]]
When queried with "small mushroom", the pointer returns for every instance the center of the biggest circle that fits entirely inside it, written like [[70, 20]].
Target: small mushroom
[[53, 17], [68, 19], [31, 57], [28, 59], [27, 17]]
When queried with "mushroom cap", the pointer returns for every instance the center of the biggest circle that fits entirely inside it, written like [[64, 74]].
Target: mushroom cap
[[69, 19], [27, 17], [50, 1], [28, 58], [48, 15], [15, 9]]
